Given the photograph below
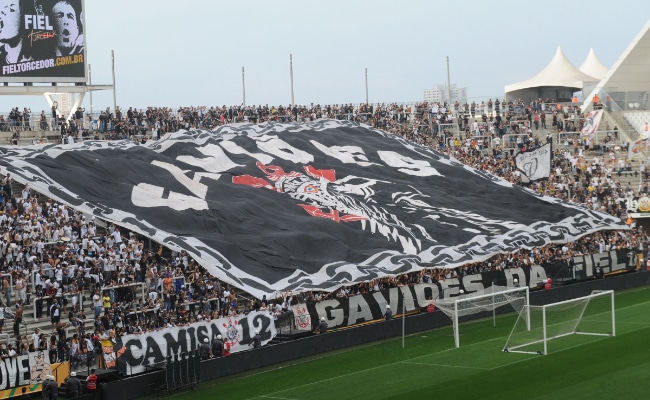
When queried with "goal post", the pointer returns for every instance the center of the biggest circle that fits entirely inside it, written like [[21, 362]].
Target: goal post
[[492, 299], [589, 315]]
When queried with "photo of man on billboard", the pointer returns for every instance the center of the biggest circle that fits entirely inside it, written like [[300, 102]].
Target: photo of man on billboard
[[42, 41], [68, 30], [12, 36]]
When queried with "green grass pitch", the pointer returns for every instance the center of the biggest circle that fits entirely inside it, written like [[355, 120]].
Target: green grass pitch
[[577, 367]]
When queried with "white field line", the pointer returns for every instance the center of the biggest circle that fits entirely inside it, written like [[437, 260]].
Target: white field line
[[445, 365], [365, 370]]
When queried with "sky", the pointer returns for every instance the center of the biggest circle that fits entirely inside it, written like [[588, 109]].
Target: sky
[[191, 52]]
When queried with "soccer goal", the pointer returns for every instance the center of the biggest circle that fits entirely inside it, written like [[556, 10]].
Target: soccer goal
[[588, 315], [488, 300]]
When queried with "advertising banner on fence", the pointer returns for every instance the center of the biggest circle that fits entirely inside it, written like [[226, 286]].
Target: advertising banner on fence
[[108, 353], [342, 312], [42, 41], [27, 370], [137, 352]]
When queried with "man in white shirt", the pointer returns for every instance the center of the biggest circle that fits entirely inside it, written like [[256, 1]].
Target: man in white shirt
[[2, 317], [21, 290], [40, 279], [117, 236], [224, 298], [110, 242], [97, 303], [67, 230], [36, 338], [11, 352], [91, 350]]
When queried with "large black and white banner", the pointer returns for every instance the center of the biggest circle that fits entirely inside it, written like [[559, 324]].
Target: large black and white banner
[[535, 164], [584, 266], [344, 312], [137, 352], [313, 206]]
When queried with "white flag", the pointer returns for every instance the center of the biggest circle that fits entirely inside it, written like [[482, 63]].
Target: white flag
[[591, 123], [637, 147], [535, 164]]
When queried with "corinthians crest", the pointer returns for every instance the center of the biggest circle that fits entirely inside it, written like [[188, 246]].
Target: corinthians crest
[[301, 316], [232, 335]]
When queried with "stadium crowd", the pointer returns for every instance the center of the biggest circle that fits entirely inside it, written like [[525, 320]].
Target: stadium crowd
[[73, 270]]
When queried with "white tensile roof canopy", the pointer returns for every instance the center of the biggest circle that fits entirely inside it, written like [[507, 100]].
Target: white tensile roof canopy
[[592, 66], [629, 78], [558, 80]]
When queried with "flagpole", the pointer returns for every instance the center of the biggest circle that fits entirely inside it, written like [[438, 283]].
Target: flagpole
[[114, 95], [90, 83], [448, 85], [291, 77], [243, 85], [366, 86], [403, 317]]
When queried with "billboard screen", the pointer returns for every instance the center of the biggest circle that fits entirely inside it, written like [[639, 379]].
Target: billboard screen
[[42, 41]]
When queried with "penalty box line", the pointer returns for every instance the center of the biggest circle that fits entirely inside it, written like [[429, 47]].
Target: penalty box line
[[272, 394]]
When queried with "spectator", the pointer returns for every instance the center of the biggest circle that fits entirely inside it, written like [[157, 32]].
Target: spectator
[[52, 349], [55, 314], [106, 301], [18, 319], [11, 352], [6, 288], [97, 303], [21, 289], [36, 337], [2, 317]]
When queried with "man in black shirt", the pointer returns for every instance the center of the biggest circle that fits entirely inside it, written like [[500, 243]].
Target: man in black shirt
[[389, 313], [204, 349], [322, 326], [256, 341], [217, 346], [73, 386], [50, 388]]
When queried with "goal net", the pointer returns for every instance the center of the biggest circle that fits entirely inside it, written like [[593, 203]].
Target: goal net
[[489, 300], [588, 315]]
